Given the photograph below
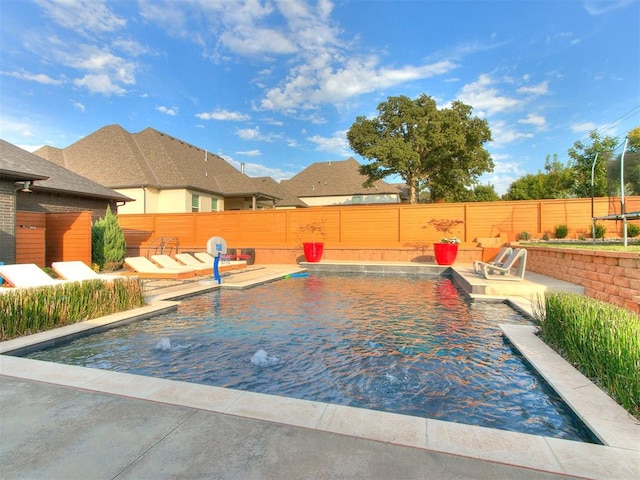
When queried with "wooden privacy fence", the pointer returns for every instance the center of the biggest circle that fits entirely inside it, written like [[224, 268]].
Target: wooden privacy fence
[[380, 226], [43, 238]]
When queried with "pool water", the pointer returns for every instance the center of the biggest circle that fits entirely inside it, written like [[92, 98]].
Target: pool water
[[406, 345]]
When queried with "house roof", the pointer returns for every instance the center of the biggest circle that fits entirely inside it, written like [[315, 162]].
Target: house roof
[[334, 178], [278, 191], [119, 159], [18, 164]]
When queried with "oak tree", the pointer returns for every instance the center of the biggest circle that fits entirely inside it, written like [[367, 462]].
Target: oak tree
[[440, 150]]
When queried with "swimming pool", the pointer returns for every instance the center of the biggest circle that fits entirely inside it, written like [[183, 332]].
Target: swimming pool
[[400, 344]]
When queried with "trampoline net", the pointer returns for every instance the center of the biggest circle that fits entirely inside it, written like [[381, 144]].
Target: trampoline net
[[622, 172]]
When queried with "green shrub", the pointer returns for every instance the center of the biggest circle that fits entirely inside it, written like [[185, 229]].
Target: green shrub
[[599, 231], [561, 231], [108, 244], [599, 339], [523, 236], [633, 230], [27, 311]]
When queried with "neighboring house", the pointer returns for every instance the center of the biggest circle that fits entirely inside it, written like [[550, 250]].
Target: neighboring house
[[339, 183], [287, 200], [32, 188], [162, 173]]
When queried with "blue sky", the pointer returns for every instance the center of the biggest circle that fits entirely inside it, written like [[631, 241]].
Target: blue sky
[[276, 84]]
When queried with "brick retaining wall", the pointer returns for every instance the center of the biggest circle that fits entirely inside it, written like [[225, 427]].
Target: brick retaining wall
[[610, 276]]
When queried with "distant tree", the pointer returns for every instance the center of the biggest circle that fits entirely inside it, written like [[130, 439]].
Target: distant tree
[[441, 151], [485, 193], [528, 187], [631, 167], [634, 140], [555, 182], [582, 157]]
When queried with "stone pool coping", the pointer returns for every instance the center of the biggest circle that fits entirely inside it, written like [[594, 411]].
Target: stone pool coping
[[618, 458]]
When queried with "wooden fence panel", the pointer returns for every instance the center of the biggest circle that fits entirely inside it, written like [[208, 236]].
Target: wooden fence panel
[[414, 229], [68, 237], [31, 238], [370, 226], [258, 229], [330, 218], [180, 225]]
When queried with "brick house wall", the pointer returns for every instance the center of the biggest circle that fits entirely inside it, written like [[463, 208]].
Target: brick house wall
[[7, 221], [52, 202], [613, 277]]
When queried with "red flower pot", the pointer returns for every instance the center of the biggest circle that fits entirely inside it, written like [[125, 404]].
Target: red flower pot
[[313, 251], [445, 253]]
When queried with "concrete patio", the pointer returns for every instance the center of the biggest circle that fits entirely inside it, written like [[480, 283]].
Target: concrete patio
[[60, 421]]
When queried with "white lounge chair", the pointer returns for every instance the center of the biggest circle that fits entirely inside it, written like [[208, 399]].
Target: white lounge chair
[[191, 261], [166, 261], [204, 257], [25, 275], [517, 259], [225, 265], [75, 270], [499, 259], [146, 268]]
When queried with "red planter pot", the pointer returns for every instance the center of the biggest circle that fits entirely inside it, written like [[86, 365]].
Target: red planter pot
[[313, 251], [445, 253]]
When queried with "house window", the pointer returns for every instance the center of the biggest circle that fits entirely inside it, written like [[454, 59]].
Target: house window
[[214, 204], [195, 203], [357, 199]]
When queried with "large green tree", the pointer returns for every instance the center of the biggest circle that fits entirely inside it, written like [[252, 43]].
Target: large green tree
[[439, 150], [582, 156]]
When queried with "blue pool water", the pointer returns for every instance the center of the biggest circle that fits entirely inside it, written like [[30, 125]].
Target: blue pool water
[[399, 344]]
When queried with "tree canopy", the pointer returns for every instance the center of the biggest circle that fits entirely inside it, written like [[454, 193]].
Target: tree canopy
[[582, 157], [441, 151], [555, 182]]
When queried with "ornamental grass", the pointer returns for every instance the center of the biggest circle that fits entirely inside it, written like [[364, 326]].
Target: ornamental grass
[[599, 339], [31, 310]]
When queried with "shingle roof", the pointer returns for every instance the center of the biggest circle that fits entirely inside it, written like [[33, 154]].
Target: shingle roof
[[119, 159], [334, 178], [19, 164], [283, 196]]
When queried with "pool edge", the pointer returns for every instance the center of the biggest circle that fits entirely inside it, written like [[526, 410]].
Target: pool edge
[[517, 449]]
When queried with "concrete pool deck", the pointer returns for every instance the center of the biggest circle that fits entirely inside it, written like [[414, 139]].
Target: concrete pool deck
[[59, 421]]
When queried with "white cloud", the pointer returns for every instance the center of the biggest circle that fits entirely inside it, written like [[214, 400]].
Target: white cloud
[[168, 110], [503, 133], [37, 77], [259, 170], [483, 96], [78, 106], [250, 153], [505, 172], [583, 127], [13, 128], [99, 84], [600, 7], [539, 89], [325, 81], [93, 59], [534, 119], [255, 134], [86, 17], [106, 72], [337, 144], [223, 115]]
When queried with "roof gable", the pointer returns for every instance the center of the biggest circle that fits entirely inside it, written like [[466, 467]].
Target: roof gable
[[334, 178], [52, 177], [119, 159]]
